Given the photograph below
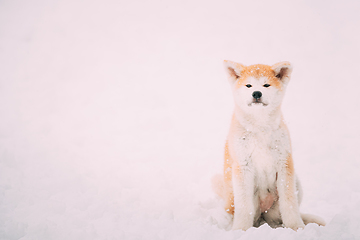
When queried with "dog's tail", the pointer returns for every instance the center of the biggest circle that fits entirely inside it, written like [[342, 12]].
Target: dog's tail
[[309, 218], [218, 185]]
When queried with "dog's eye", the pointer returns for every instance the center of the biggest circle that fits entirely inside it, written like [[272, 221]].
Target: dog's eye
[[248, 85], [266, 85]]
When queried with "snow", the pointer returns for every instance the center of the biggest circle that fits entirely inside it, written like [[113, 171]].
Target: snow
[[114, 114]]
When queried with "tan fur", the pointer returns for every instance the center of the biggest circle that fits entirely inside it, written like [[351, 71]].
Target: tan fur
[[257, 71], [290, 180], [228, 193]]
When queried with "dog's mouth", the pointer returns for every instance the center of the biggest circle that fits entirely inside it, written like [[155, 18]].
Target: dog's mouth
[[257, 102]]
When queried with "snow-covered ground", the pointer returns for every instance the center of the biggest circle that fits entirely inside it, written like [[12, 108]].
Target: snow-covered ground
[[113, 114]]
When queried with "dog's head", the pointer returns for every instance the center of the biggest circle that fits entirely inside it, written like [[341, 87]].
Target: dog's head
[[258, 87]]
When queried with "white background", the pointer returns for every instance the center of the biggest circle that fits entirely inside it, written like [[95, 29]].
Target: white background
[[114, 114]]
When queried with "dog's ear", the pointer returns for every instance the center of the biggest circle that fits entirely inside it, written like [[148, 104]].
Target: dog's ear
[[282, 71], [233, 70]]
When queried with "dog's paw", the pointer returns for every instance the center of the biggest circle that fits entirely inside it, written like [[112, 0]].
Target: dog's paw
[[293, 220], [296, 226]]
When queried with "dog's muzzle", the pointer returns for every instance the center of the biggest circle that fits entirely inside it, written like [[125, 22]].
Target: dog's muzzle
[[257, 99]]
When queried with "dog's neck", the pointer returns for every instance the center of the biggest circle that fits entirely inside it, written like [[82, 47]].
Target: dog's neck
[[259, 120]]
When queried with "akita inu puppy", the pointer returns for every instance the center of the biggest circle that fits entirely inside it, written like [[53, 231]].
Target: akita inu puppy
[[259, 183]]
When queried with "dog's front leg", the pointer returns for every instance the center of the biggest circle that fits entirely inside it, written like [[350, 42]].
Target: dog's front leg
[[243, 186], [288, 200]]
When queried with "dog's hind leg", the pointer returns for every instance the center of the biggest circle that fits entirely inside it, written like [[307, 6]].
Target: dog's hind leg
[[222, 184], [217, 184], [223, 190]]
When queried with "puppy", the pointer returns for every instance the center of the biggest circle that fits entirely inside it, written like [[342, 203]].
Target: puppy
[[259, 183]]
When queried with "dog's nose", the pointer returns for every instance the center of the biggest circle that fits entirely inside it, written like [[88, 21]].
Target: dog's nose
[[257, 94]]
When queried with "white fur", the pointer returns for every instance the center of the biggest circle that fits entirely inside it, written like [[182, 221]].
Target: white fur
[[259, 142]]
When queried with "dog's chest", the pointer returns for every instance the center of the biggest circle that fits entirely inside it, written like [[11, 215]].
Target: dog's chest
[[262, 150]]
